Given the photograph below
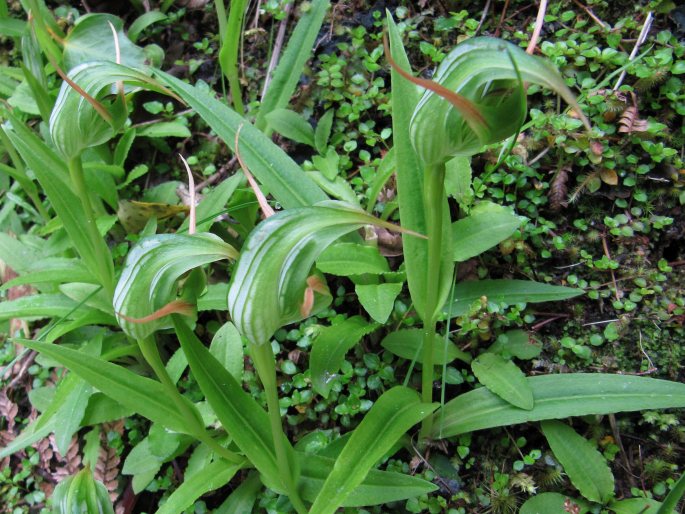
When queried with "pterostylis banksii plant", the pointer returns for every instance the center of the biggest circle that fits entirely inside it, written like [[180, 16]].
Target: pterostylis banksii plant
[[476, 98]]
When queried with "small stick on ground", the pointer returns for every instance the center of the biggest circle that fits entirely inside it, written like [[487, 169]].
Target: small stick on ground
[[538, 27], [486, 9], [28, 360], [640, 39], [214, 177], [622, 450], [278, 45], [501, 18], [591, 14]]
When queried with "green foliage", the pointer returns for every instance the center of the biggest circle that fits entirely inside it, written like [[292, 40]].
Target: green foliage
[[584, 465], [505, 212], [81, 493]]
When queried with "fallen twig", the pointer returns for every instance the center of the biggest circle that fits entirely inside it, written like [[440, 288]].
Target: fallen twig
[[641, 39]]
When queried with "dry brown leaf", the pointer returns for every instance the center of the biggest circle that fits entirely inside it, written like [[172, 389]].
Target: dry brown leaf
[[558, 190], [608, 176], [70, 463], [630, 121], [107, 471]]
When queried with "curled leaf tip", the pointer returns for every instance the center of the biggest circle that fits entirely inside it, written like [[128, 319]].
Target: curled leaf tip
[[468, 109], [174, 307], [99, 107], [191, 192], [314, 284], [261, 199]]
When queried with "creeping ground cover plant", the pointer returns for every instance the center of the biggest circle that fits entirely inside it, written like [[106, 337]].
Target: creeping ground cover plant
[[265, 251]]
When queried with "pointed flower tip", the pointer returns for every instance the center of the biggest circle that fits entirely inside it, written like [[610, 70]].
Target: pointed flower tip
[[175, 307]]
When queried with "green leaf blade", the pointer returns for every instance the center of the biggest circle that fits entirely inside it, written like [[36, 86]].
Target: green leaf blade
[[330, 347], [289, 69], [378, 487], [508, 292], [209, 478], [143, 395], [291, 125], [503, 378], [559, 396], [267, 162], [244, 419], [397, 410], [585, 466], [487, 225]]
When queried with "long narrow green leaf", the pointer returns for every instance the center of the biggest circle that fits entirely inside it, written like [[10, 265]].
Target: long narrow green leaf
[[145, 396], [291, 64], [507, 291], [585, 466], [209, 478], [230, 44], [54, 271], [52, 174], [291, 125], [152, 269], [11, 27], [409, 171], [244, 419], [558, 396], [410, 174], [283, 178], [40, 306], [270, 280], [395, 412], [29, 435]]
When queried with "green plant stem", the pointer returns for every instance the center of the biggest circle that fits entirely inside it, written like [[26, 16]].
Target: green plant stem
[[228, 55], [105, 265], [148, 348], [265, 364], [434, 187]]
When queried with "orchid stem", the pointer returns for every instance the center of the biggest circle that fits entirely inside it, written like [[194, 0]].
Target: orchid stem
[[148, 347], [265, 364], [105, 266], [434, 188]]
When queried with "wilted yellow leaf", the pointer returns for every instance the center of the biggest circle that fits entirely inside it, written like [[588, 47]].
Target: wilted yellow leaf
[[609, 176]]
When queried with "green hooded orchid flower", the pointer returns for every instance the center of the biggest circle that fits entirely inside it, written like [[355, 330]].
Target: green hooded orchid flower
[[482, 81]]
